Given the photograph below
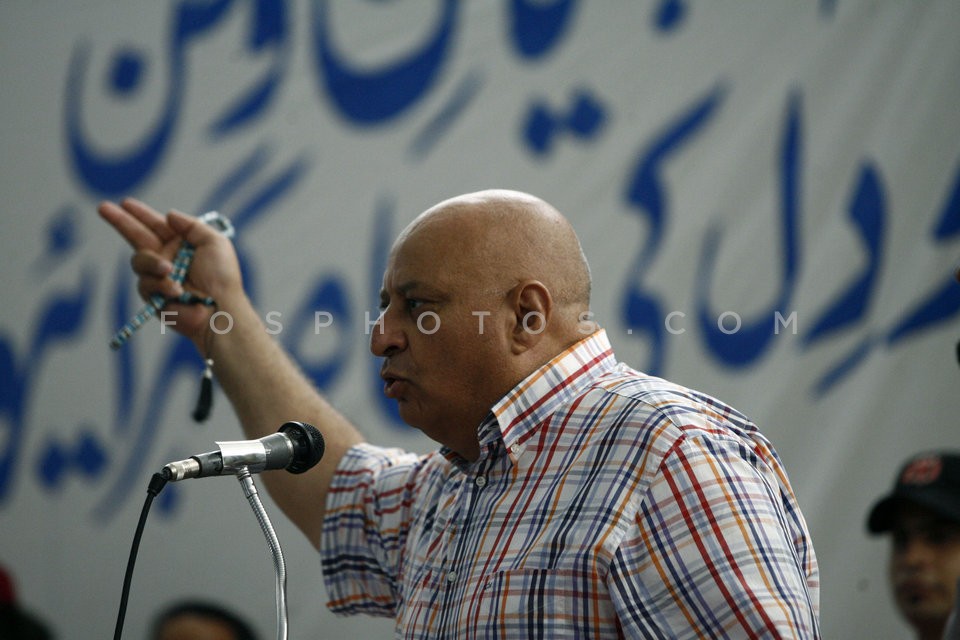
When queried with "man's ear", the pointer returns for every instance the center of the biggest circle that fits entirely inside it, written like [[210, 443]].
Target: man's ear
[[532, 307]]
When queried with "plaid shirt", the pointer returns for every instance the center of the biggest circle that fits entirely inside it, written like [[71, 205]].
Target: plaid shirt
[[605, 503]]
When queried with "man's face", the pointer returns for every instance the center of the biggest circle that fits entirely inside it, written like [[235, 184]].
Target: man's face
[[925, 565], [441, 334]]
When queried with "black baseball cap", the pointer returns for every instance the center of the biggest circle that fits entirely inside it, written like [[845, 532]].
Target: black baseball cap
[[931, 480]]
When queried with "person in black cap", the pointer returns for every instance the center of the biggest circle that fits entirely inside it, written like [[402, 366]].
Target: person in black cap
[[922, 513]]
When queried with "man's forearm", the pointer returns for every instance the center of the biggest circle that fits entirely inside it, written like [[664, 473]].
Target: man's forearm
[[266, 389]]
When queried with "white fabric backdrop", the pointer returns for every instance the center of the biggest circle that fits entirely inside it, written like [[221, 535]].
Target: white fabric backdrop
[[790, 168]]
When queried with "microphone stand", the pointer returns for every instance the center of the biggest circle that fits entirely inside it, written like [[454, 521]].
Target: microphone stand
[[253, 497]]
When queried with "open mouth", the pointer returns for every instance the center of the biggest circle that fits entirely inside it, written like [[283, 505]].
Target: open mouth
[[393, 386], [913, 592]]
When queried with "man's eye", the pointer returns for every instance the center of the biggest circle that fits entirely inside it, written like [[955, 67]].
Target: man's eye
[[944, 534], [413, 303]]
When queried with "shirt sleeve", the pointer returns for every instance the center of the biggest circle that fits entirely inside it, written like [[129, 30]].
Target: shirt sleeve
[[717, 550], [369, 510]]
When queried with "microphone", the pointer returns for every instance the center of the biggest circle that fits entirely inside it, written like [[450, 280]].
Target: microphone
[[296, 447]]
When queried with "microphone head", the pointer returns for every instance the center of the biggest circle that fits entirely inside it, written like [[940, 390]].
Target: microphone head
[[308, 445]]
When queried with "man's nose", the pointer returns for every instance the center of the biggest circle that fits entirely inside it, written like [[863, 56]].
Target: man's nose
[[915, 551], [386, 336]]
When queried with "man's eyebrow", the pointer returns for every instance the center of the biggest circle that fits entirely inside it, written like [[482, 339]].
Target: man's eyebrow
[[419, 287], [404, 288]]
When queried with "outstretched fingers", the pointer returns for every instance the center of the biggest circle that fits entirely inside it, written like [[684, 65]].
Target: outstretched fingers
[[139, 224]]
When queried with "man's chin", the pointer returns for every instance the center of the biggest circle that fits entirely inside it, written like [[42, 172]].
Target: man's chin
[[924, 613], [405, 409]]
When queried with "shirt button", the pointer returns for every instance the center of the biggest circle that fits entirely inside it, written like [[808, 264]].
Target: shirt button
[[452, 576], [481, 481], [516, 449]]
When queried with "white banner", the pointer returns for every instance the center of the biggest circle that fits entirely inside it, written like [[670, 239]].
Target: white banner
[[768, 194]]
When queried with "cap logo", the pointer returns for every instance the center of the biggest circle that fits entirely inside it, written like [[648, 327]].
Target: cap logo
[[922, 471]]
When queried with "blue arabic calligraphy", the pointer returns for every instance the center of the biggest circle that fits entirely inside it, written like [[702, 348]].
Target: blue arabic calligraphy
[[252, 187]]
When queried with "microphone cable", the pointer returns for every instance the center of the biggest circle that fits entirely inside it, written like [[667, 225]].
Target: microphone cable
[[157, 483]]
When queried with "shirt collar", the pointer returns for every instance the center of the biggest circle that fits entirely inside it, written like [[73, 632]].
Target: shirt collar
[[521, 411], [515, 418]]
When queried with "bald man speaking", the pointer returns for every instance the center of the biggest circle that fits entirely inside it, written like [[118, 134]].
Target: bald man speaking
[[570, 496]]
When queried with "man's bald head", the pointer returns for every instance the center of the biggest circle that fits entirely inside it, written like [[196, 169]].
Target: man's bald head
[[506, 237]]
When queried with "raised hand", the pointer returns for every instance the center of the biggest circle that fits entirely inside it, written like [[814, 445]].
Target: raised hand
[[155, 238]]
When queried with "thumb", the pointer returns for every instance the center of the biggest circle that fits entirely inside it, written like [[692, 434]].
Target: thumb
[[190, 228]]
